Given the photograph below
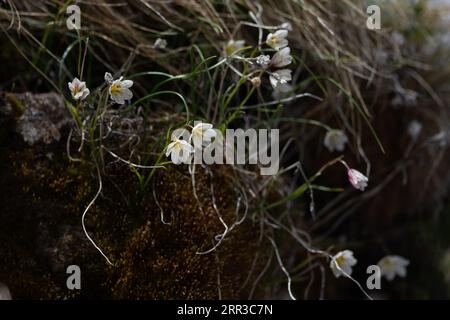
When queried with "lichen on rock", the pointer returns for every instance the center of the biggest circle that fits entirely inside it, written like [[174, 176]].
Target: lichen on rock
[[40, 117]]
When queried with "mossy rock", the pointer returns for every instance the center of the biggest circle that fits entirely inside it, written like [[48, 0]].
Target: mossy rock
[[44, 194]]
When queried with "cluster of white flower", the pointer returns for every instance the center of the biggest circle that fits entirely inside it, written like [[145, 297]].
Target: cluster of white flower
[[119, 89], [275, 66], [390, 266], [280, 76], [180, 151]]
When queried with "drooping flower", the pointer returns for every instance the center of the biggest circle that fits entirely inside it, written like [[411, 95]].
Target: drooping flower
[[119, 89], [392, 266], [342, 263], [263, 60], [202, 133], [78, 89], [179, 150], [281, 58], [278, 39], [335, 139], [280, 77], [232, 46], [357, 179]]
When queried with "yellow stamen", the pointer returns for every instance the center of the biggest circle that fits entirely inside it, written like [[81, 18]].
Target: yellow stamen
[[229, 49], [177, 145], [272, 41], [116, 88], [388, 263], [340, 260]]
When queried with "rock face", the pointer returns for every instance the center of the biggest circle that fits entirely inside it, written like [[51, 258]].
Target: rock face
[[43, 195], [41, 116]]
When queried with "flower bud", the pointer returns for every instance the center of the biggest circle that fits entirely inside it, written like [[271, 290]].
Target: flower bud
[[357, 179], [256, 81]]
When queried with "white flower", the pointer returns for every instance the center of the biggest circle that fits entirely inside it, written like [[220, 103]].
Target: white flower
[[180, 151], [342, 263], [78, 89], [335, 140], [202, 133], [232, 46], [357, 179], [282, 58], [160, 43], [393, 265], [414, 129], [280, 77], [278, 39], [263, 60], [119, 89]]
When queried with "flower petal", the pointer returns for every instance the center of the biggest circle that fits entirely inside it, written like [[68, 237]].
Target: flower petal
[[127, 83], [210, 133], [175, 156], [86, 92], [186, 146], [169, 148], [273, 81], [197, 140], [126, 94], [282, 58], [281, 33]]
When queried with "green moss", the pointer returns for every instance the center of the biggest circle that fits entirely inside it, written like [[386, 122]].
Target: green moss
[[17, 105], [167, 254], [44, 197]]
